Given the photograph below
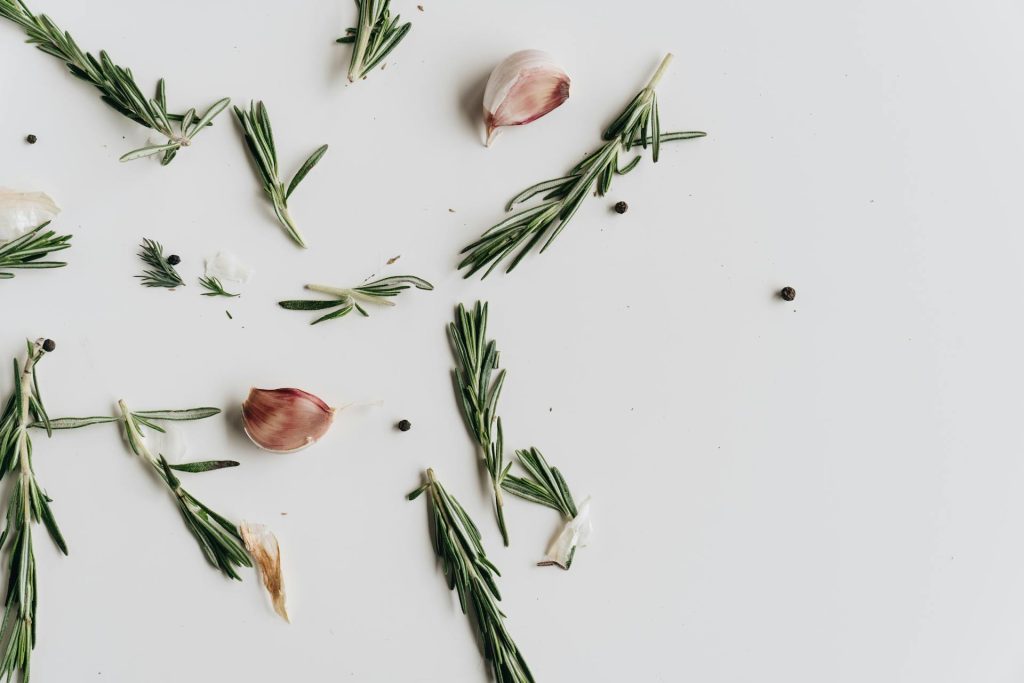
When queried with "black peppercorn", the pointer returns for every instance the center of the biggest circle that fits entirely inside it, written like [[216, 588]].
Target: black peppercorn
[[174, 259], [788, 293], [31, 139], [49, 345], [621, 207], [404, 426]]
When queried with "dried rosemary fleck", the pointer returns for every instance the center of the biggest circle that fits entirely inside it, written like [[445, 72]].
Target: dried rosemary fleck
[[468, 571], [116, 84], [346, 299], [28, 505], [637, 126], [259, 139], [375, 35], [478, 389]]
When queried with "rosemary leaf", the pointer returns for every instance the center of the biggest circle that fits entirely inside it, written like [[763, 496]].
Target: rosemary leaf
[[457, 545], [345, 300], [27, 250], [214, 287], [637, 126], [162, 273], [116, 84], [375, 35]]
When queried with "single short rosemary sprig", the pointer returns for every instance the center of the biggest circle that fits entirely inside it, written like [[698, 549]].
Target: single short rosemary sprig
[[376, 34], [217, 537], [259, 139], [214, 287], [545, 485], [478, 389], [116, 83], [345, 300], [28, 250], [468, 571], [162, 273], [637, 125], [28, 505]]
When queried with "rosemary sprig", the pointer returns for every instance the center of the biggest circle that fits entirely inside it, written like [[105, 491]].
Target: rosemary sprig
[[218, 538], [214, 287], [27, 250], [28, 505], [544, 485], [345, 300], [637, 125], [259, 139], [115, 83], [478, 389], [375, 35], [457, 544], [162, 273]]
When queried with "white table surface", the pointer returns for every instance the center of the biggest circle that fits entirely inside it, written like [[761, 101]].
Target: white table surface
[[825, 490]]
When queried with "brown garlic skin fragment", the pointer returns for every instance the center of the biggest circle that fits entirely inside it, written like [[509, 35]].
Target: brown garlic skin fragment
[[285, 420]]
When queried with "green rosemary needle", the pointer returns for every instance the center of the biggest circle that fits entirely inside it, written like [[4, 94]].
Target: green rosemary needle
[[28, 505], [214, 287], [162, 273], [259, 139], [468, 571], [28, 250], [375, 35], [347, 299], [218, 538], [116, 84], [637, 126], [544, 485], [478, 389]]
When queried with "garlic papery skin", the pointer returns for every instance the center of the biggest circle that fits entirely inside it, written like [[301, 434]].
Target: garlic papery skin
[[525, 86], [226, 266], [22, 211], [285, 420], [576, 532], [262, 545]]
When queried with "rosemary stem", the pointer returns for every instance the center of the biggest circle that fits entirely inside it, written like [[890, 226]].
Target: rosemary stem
[[660, 72], [333, 291]]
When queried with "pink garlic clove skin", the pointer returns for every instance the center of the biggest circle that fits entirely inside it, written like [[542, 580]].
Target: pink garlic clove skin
[[525, 86], [285, 420]]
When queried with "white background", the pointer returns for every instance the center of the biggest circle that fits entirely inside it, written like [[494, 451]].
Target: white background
[[825, 490]]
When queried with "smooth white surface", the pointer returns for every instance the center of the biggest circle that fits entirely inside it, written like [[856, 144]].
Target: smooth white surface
[[828, 490]]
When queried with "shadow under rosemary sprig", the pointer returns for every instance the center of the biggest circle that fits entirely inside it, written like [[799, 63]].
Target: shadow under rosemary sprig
[[28, 250], [116, 84], [162, 273], [375, 35], [478, 389], [456, 542], [637, 126], [259, 140], [28, 504], [345, 300]]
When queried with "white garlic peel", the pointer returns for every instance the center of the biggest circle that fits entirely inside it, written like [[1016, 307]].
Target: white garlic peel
[[226, 266], [262, 544], [576, 532], [22, 211], [525, 86], [170, 443]]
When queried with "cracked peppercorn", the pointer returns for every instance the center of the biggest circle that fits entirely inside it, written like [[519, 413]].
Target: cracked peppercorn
[[404, 425], [49, 345], [621, 207], [174, 259], [788, 293], [31, 139]]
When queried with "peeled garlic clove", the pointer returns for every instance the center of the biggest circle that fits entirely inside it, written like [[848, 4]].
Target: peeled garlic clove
[[285, 420], [525, 86], [262, 545], [22, 211]]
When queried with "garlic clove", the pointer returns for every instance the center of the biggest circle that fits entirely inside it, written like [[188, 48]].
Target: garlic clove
[[285, 420], [22, 211], [525, 86], [263, 546]]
